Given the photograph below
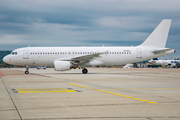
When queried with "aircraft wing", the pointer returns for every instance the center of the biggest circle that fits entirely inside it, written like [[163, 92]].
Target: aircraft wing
[[84, 58], [164, 50]]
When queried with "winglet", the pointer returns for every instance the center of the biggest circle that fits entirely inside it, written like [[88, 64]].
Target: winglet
[[155, 59]]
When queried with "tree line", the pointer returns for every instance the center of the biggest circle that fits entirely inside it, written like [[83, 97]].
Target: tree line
[[2, 54]]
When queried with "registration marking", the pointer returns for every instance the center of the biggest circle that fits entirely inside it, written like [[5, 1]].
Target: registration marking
[[130, 97]]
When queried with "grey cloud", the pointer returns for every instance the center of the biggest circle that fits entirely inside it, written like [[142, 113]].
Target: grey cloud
[[84, 22]]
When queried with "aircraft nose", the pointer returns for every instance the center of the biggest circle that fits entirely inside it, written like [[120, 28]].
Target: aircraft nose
[[5, 59]]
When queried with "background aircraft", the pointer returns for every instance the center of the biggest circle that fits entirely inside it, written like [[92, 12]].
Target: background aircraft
[[65, 58], [170, 63]]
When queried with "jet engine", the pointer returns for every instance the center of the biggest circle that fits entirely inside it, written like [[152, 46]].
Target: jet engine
[[63, 65]]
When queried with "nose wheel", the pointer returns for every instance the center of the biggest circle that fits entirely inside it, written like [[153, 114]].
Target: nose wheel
[[84, 71], [27, 70]]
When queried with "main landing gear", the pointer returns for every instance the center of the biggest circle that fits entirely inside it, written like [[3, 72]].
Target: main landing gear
[[27, 70], [84, 71]]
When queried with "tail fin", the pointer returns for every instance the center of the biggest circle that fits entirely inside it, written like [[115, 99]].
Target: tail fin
[[159, 36]]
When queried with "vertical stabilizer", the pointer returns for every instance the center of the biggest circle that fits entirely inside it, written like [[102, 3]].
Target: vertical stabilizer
[[159, 36]]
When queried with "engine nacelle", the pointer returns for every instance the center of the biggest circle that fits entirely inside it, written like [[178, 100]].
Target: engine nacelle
[[62, 65]]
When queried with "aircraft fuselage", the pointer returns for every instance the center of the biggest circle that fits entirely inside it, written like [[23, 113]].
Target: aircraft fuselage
[[37, 56]]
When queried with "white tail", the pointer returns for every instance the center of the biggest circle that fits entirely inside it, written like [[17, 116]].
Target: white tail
[[159, 36]]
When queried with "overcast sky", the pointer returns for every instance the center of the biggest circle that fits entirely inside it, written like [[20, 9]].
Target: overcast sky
[[85, 22]]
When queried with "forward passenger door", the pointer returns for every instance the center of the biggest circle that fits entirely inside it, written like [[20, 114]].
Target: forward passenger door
[[26, 54]]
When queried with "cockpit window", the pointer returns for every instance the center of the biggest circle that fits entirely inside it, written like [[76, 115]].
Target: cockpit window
[[13, 53]]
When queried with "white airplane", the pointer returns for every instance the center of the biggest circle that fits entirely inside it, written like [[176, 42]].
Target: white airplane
[[65, 58], [171, 63]]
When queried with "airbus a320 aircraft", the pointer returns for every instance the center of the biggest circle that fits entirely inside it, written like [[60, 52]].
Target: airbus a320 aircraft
[[65, 58]]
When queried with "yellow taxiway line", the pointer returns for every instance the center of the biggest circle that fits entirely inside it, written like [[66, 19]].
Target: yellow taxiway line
[[130, 97], [43, 90]]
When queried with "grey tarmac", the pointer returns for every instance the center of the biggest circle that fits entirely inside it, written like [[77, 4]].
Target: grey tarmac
[[102, 94]]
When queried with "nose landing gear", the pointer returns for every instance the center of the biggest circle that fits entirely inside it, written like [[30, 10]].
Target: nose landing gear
[[27, 70]]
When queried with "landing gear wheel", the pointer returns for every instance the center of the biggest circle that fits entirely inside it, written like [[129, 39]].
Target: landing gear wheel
[[26, 72], [84, 71]]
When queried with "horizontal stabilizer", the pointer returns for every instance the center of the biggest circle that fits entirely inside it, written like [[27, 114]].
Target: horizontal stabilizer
[[164, 50]]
